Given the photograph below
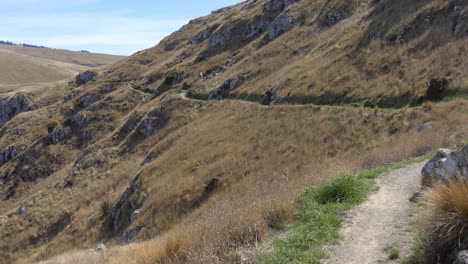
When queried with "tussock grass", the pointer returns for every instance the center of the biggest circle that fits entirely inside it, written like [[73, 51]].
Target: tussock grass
[[446, 218]]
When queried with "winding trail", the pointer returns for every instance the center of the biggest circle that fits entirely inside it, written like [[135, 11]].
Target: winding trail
[[380, 223]]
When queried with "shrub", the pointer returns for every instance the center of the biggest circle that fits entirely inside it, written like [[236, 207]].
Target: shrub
[[278, 216], [105, 208], [447, 216], [436, 89], [340, 190], [51, 126]]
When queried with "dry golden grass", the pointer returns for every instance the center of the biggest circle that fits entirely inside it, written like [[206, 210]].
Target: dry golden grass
[[262, 156], [446, 216]]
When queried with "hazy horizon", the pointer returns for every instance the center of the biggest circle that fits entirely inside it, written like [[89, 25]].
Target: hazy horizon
[[100, 26]]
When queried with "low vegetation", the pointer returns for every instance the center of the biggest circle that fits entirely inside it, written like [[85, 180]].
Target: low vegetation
[[318, 217]]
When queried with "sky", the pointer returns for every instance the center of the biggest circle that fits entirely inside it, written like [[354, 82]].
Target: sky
[[120, 27]]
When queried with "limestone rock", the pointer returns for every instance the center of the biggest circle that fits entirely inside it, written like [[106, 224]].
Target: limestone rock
[[84, 77], [8, 154], [462, 257], [334, 16], [13, 106], [256, 28], [278, 5], [425, 127], [445, 165], [224, 90], [131, 200], [280, 25], [60, 135], [100, 247], [200, 37], [87, 100], [221, 38]]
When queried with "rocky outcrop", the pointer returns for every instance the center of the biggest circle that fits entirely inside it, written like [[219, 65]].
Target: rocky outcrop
[[221, 38], [334, 16], [277, 5], [84, 78], [8, 154], [201, 36], [13, 106], [446, 165], [61, 134], [123, 212], [256, 28], [224, 90], [280, 25], [462, 257], [87, 100]]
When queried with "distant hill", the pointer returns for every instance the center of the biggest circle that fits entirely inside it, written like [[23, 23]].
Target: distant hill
[[23, 64]]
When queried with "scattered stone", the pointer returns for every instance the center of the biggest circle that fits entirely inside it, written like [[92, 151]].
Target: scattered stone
[[22, 210], [445, 165], [425, 127], [100, 247], [135, 215]]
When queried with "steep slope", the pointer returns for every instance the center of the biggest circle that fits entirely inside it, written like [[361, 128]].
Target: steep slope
[[200, 137]]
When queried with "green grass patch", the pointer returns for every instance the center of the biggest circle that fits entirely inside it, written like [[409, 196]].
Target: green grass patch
[[317, 219]]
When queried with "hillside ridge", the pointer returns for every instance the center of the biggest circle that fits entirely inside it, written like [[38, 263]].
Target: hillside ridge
[[190, 147]]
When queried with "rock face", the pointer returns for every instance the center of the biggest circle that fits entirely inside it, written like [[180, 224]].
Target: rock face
[[221, 38], [84, 77], [8, 154], [224, 90], [278, 5], [13, 106], [280, 25], [60, 135], [446, 165], [128, 208]]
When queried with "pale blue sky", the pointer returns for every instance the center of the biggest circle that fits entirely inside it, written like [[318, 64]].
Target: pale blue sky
[[106, 26]]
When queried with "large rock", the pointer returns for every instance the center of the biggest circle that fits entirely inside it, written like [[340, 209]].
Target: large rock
[[446, 165], [462, 257], [84, 77], [13, 106]]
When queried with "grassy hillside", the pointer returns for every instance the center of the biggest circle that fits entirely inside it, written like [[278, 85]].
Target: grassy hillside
[[189, 147], [22, 65]]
